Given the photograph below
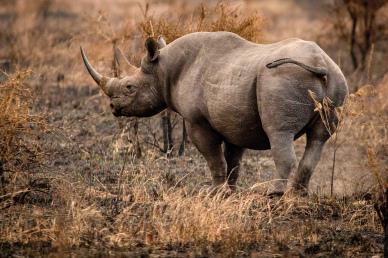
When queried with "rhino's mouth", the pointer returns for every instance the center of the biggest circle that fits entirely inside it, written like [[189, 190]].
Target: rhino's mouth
[[117, 113]]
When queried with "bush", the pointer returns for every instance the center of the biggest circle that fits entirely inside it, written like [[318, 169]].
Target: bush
[[20, 151], [222, 17]]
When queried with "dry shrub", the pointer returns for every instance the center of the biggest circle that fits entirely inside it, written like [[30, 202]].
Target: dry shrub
[[222, 17], [368, 113], [19, 132], [371, 106]]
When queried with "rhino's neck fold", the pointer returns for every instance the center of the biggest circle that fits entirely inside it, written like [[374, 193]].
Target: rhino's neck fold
[[174, 62]]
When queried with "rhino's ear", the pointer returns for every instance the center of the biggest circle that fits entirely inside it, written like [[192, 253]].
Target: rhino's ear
[[152, 47]]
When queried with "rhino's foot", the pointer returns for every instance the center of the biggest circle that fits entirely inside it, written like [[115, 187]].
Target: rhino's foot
[[275, 194], [276, 188], [298, 191]]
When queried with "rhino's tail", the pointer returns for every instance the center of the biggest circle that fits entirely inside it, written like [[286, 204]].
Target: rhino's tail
[[318, 71]]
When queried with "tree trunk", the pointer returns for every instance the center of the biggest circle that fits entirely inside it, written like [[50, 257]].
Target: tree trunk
[[184, 139], [353, 42], [369, 22], [137, 142], [167, 131]]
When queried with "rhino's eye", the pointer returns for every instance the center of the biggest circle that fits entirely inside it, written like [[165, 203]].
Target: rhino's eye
[[131, 89]]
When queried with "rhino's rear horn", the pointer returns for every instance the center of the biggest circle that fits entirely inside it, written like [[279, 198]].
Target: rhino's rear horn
[[123, 62]]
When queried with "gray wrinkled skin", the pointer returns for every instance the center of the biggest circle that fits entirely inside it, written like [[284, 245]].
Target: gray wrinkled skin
[[219, 83]]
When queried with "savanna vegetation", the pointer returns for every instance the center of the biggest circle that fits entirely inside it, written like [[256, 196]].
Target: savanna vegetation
[[75, 180]]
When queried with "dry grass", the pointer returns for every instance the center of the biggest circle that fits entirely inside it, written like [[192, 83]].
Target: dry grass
[[91, 194], [154, 216], [19, 134]]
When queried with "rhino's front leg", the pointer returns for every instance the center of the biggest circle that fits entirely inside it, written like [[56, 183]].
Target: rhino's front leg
[[209, 143], [233, 155]]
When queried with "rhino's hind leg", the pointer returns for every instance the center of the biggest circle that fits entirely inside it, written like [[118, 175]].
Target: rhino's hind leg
[[233, 155], [209, 143], [282, 149], [317, 135]]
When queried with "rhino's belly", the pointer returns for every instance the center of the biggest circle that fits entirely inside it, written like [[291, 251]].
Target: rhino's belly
[[251, 137], [240, 126]]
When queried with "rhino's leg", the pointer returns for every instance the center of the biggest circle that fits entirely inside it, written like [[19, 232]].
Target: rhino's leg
[[283, 152], [317, 135], [233, 155], [209, 143]]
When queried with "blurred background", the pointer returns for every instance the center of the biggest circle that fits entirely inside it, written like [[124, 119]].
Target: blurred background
[[60, 144]]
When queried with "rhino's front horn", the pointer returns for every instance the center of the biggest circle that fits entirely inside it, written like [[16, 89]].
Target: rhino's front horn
[[98, 78]]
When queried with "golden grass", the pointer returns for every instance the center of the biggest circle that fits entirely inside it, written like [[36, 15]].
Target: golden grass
[[176, 218]]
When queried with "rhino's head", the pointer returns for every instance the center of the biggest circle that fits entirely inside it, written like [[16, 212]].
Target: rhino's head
[[138, 92]]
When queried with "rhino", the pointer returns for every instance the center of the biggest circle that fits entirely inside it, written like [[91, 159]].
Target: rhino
[[235, 95]]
